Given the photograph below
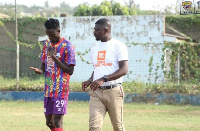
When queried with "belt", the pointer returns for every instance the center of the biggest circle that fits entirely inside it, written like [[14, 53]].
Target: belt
[[108, 87]]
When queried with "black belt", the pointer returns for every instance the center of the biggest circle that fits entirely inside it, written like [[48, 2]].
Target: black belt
[[108, 87]]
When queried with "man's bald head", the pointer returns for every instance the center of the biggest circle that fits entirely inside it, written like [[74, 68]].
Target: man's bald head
[[104, 22], [102, 30]]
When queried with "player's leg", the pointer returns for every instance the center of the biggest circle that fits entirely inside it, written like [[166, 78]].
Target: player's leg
[[59, 109], [49, 122], [48, 111], [115, 107], [97, 110], [58, 122]]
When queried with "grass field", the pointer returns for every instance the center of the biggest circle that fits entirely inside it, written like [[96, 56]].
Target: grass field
[[28, 116]]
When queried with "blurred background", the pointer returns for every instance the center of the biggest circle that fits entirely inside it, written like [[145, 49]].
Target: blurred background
[[174, 60]]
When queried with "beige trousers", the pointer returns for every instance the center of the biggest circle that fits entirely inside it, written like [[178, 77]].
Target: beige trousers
[[102, 101]]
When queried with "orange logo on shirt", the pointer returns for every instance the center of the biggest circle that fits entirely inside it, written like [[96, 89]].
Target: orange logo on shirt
[[101, 55], [101, 59]]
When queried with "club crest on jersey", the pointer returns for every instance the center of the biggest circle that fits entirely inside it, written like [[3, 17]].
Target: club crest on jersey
[[48, 81], [187, 5]]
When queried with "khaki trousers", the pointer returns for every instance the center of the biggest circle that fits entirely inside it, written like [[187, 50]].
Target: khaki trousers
[[102, 101]]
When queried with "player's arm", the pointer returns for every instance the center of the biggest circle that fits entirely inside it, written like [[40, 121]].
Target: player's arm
[[122, 62], [42, 67], [39, 71], [85, 84], [123, 70], [91, 78], [69, 69]]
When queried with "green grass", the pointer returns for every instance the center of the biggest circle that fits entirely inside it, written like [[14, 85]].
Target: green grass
[[28, 116], [27, 84]]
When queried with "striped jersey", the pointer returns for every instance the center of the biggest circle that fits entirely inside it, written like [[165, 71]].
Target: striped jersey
[[56, 80]]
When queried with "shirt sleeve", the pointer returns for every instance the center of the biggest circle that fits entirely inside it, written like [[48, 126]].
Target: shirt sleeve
[[42, 56], [70, 55], [91, 54], [123, 52]]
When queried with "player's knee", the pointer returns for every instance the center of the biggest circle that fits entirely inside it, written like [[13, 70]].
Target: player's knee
[[58, 123], [50, 124]]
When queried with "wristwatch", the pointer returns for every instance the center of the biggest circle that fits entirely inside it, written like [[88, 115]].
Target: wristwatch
[[105, 78]]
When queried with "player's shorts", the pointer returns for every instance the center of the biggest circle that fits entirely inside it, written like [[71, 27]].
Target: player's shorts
[[55, 106]]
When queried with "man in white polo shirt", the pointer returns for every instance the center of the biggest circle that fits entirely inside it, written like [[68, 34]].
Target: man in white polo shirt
[[110, 61]]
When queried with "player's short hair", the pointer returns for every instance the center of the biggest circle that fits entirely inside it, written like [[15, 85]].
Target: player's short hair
[[103, 22], [52, 24]]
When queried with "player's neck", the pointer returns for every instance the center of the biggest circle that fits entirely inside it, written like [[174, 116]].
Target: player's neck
[[106, 39], [57, 41]]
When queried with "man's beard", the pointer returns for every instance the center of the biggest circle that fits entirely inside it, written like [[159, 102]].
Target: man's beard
[[56, 40]]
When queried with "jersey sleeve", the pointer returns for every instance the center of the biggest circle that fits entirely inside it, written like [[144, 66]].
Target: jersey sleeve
[[70, 55], [123, 52], [42, 56]]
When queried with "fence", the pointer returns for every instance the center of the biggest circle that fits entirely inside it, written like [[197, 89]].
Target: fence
[[29, 29], [148, 60]]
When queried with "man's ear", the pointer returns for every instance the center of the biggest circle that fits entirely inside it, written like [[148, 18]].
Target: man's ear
[[58, 30], [106, 30]]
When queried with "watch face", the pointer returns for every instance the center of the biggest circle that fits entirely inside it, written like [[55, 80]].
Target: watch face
[[105, 78]]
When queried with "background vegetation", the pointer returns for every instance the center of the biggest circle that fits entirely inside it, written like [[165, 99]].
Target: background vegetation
[[189, 59], [31, 27], [28, 84], [107, 7]]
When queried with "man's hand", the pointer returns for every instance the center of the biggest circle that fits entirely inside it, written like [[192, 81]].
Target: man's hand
[[95, 84], [51, 51], [85, 84], [38, 71]]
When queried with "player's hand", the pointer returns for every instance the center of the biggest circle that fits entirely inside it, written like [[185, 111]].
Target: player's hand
[[38, 71], [51, 51], [85, 84], [95, 84]]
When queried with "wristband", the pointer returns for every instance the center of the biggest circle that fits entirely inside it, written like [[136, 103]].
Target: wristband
[[90, 80], [105, 78]]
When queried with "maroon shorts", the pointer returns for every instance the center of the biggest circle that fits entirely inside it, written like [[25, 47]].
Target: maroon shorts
[[55, 106]]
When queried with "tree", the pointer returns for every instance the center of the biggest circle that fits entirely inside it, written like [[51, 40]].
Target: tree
[[148, 12], [134, 11], [46, 4], [105, 8], [133, 8], [177, 7], [131, 3], [83, 10], [8, 9], [117, 9], [111, 7], [168, 10], [65, 8], [95, 10]]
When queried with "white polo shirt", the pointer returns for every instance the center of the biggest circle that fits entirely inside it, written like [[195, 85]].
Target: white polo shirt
[[105, 57]]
